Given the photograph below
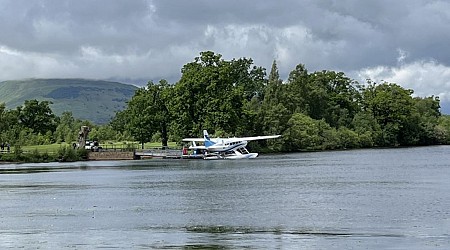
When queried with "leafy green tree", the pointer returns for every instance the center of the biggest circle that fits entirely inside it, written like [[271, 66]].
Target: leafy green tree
[[212, 92], [66, 131], [139, 117], [251, 84], [9, 124], [341, 96], [393, 107], [296, 94], [118, 124], [160, 95], [3, 125], [274, 89], [119, 121], [274, 114], [367, 128], [347, 138], [325, 95], [330, 138], [302, 134], [103, 133], [427, 117], [191, 94], [147, 113], [37, 116], [442, 130]]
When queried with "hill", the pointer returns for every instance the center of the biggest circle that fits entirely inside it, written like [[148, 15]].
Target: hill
[[92, 100]]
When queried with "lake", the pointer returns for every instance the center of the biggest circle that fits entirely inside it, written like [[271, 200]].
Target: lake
[[358, 199]]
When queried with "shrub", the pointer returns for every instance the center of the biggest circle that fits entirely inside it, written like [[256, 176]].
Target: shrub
[[8, 157], [67, 153], [82, 154]]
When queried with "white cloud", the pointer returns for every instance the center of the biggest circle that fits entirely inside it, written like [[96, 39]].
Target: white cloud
[[426, 78], [402, 55]]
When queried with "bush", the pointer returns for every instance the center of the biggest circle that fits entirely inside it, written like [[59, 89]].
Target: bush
[[67, 153], [34, 156], [348, 138], [82, 154], [8, 157]]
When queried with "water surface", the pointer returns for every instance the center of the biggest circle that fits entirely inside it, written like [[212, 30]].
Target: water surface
[[363, 199]]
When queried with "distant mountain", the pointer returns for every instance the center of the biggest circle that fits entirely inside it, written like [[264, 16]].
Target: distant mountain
[[92, 100]]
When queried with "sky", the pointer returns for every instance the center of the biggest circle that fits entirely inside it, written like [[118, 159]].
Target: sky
[[134, 41]]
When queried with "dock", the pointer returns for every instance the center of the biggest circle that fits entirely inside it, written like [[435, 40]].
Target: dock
[[137, 154], [159, 153]]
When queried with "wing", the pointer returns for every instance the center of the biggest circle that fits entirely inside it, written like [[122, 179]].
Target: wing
[[194, 144], [194, 139], [265, 137], [197, 147]]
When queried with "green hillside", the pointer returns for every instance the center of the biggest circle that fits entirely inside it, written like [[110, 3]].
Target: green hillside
[[92, 100]]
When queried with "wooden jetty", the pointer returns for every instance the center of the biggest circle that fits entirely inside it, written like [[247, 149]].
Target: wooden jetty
[[159, 153], [138, 154]]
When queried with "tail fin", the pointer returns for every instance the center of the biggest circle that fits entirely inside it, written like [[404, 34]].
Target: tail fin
[[208, 141]]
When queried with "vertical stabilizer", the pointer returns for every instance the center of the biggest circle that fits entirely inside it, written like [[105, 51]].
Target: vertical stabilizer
[[208, 141]]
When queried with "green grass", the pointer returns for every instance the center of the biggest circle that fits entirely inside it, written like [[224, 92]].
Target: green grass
[[50, 148]]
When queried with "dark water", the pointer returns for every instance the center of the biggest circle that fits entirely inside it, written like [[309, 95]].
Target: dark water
[[362, 199]]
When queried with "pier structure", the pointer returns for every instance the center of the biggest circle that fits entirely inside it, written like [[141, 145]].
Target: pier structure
[[159, 153], [136, 154]]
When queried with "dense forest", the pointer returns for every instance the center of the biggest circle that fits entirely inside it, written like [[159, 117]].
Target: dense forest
[[311, 110]]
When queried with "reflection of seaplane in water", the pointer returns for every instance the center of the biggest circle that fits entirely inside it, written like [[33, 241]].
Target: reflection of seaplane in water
[[223, 148]]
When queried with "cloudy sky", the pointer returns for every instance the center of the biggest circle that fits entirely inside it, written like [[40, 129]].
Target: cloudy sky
[[402, 41]]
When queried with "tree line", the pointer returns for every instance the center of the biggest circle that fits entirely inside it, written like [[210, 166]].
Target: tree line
[[311, 110], [34, 123]]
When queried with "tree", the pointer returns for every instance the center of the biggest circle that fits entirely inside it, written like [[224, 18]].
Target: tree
[[302, 133], [212, 92], [295, 98], [119, 121], [325, 95], [66, 130], [159, 95], [103, 133], [427, 119], [9, 125], [442, 130], [274, 114], [37, 116], [2, 114], [341, 96], [274, 91], [139, 120], [147, 113], [393, 108], [368, 129]]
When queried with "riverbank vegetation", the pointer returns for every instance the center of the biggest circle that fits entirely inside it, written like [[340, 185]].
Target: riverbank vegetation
[[321, 110], [62, 154]]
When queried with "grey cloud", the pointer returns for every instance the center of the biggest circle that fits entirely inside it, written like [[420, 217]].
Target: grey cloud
[[152, 39]]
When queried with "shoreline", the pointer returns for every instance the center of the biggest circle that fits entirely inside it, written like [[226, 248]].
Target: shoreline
[[113, 159]]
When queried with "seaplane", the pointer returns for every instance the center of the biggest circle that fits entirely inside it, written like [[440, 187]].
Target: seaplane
[[222, 148]]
